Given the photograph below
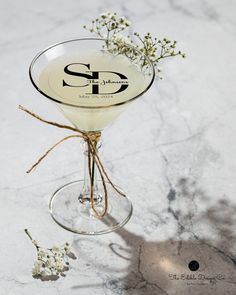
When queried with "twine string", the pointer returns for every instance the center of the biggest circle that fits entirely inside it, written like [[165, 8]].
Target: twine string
[[91, 138]]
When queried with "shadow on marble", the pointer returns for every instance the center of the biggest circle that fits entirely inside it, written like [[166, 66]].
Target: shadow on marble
[[162, 267], [216, 218], [47, 278]]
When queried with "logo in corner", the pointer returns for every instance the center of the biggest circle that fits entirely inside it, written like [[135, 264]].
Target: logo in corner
[[193, 265]]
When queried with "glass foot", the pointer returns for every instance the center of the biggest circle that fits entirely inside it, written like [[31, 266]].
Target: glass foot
[[69, 212]]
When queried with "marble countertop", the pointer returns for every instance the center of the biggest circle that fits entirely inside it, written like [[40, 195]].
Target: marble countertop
[[173, 151]]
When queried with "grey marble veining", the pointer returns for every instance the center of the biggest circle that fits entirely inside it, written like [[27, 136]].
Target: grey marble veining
[[173, 152]]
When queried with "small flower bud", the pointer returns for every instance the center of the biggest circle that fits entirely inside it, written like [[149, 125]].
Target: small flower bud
[[35, 243]]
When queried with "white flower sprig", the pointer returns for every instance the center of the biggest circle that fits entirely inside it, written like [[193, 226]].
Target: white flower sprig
[[51, 262], [107, 25], [110, 27]]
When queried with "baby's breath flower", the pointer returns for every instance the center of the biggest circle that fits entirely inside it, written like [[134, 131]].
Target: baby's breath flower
[[35, 243], [41, 253], [128, 23], [121, 40], [121, 20], [110, 14], [52, 261], [108, 26], [59, 265], [56, 249], [37, 269], [67, 248], [102, 15]]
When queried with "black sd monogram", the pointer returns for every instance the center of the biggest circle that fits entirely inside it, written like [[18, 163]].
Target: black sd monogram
[[94, 79]]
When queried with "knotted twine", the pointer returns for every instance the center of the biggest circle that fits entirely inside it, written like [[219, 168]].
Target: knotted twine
[[91, 138]]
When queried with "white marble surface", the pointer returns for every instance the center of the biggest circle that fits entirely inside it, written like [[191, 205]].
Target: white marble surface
[[173, 151]]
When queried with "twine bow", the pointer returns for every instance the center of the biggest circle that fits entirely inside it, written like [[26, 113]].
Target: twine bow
[[91, 138]]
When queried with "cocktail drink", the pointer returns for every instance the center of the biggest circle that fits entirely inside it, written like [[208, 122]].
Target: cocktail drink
[[91, 82]]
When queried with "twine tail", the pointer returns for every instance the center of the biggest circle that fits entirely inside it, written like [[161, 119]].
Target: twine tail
[[104, 189], [90, 138], [91, 148], [102, 171], [50, 122], [49, 150]]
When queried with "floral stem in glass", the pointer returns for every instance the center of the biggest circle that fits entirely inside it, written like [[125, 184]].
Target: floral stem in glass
[[90, 178]]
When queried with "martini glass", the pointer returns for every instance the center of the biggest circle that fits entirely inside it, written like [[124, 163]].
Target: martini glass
[[92, 82]]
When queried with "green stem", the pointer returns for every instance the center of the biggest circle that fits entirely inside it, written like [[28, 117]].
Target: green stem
[[28, 234], [93, 168]]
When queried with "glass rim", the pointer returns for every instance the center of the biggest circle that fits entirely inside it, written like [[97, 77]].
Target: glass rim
[[80, 106]]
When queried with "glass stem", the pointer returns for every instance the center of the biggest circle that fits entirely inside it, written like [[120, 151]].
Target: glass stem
[[90, 184], [93, 170]]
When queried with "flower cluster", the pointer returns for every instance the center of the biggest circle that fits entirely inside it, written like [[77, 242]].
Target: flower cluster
[[119, 44], [156, 49], [109, 27], [50, 262]]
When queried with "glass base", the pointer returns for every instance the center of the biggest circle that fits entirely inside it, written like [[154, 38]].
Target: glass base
[[78, 217]]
